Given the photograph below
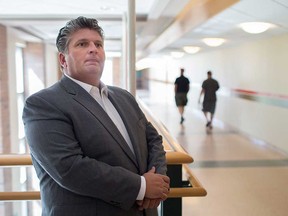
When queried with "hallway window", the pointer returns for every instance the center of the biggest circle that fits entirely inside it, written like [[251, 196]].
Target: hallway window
[[20, 96]]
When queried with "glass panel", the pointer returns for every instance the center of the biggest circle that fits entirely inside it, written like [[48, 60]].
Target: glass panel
[[19, 70], [21, 208], [20, 106], [15, 179], [18, 179]]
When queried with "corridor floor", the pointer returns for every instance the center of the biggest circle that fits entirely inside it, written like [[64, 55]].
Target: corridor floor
[[243, 176]]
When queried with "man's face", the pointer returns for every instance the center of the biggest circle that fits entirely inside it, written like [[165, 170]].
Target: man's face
[[85, 58]]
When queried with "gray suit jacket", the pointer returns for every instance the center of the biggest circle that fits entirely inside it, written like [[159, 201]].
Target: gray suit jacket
[[84, 165]]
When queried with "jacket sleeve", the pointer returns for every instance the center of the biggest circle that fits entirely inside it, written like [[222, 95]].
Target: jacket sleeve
[[156, 151]]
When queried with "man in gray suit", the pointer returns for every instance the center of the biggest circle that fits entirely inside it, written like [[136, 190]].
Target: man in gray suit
[[93, 150]]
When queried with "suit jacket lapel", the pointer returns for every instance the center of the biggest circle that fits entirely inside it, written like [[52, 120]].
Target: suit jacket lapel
[[116, 101], [87, 101]]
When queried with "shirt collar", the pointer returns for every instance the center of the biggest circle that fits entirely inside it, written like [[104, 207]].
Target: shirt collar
[[88, 87]]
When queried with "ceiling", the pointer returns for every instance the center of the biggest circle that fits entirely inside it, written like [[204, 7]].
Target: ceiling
[[161, 25]]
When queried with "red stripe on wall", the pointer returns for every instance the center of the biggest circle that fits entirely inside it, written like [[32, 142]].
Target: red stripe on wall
[[271, 95]]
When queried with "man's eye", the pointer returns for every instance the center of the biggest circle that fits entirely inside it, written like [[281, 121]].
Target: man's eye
[[82, 44], [98, 45]]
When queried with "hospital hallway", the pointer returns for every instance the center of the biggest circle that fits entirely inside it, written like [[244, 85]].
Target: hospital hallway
[[243, 176]]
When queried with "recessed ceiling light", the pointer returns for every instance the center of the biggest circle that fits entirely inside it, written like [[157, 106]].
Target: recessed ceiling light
[[255, 27], [177, 54], [213, 42], [191, 49], [107, 8]]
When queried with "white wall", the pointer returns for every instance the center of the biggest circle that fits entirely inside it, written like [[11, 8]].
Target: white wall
[[260, 66]]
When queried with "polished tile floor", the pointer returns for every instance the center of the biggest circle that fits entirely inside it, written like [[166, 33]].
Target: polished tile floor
[[243, 176]]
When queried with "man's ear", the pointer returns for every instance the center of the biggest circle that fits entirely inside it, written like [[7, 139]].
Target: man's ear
[[62, 60]]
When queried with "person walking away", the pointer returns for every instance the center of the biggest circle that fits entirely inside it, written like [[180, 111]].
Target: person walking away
[[209, 88], [181, 88]]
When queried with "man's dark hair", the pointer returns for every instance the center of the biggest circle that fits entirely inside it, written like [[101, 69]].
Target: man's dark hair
[[209, 73], [71, 27]]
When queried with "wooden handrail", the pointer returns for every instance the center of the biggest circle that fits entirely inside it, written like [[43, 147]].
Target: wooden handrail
[[196, 188], [178, 158], [20, 195], [15, 160], [25, 159], [35, 195]]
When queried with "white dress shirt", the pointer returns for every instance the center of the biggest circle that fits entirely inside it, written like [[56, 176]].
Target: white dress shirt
[[101, 96]]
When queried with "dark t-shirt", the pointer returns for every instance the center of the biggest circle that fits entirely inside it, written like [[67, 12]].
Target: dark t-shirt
[[210, 86], [182, 83]]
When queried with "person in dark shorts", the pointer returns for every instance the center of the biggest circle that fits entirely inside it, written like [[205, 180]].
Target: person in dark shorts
[[181, 89], [209, 88]]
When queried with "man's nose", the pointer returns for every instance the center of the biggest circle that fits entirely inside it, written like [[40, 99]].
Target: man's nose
[[92, 47]]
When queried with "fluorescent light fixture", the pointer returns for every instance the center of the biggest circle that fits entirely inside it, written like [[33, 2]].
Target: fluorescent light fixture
[[213, 42], [191, 49], [177, 54], [255, 27]]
